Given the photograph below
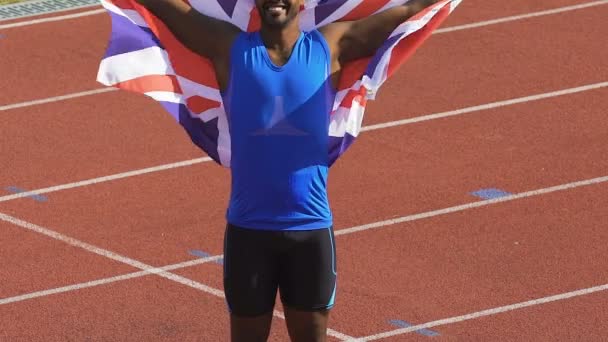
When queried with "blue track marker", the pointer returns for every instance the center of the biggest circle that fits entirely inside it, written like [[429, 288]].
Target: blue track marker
[[490, 193], [202, 254], [404, 324], [16, 190]]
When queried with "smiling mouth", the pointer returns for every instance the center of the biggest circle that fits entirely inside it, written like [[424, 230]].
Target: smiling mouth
[[275, 9]]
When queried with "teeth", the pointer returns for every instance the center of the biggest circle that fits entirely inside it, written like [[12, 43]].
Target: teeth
[[275, 9]]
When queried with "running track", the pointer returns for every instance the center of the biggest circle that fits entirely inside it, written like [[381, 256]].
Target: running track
[[518, 105]]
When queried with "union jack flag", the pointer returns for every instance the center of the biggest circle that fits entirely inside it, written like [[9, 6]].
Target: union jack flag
[[143, 56]]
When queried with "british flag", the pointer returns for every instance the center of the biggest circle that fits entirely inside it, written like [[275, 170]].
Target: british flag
[[143, 56]]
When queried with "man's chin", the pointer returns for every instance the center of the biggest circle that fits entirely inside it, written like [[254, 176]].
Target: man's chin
[[276, 22]]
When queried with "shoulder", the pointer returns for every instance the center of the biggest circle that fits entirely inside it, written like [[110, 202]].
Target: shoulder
[[317, 40], [335, 31], [244, 41], [314, 35], [333, 34]]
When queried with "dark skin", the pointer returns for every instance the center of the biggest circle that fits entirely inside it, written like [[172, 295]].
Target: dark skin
[[348, 41]]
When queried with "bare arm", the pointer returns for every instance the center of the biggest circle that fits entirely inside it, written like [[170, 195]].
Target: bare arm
[[207, 36], [357, 39]]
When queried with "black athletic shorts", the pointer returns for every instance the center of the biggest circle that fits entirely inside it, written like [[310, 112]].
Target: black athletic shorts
[[300, 264]]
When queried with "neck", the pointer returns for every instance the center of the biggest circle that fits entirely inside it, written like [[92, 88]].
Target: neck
[[281, 39]]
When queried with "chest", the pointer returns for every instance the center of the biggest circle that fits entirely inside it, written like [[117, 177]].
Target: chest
[[263, 94]]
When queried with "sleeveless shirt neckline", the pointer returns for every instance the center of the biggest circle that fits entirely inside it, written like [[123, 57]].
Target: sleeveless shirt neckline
[[269, 61]]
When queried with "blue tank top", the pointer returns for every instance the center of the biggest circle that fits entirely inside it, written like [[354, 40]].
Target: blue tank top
[[279, 119]]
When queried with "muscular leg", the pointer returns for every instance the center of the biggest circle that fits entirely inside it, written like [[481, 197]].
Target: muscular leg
[[250, 282], [250, 329], [307, 326], [308, 283]]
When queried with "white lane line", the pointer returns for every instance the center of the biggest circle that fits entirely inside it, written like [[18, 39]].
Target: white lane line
[[488, 312], [487, 106], [366, 128], [109, 280], [472, 205], [109, 254], [56, 98], [105, 178], [375, 225], [134, 263], [53, 18], [522, 16], [443, 30]]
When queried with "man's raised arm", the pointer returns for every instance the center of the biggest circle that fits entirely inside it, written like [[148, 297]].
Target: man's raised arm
[[204, 35], [362, 38]]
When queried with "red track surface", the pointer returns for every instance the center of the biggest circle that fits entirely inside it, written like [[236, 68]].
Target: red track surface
[[419, 271]]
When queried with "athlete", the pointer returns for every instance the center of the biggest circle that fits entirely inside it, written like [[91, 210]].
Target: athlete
[[278, 86]]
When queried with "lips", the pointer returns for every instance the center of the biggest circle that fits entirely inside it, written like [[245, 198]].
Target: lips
[[275, 9]]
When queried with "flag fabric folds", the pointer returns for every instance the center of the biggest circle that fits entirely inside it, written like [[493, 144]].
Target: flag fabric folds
[[143, 56]]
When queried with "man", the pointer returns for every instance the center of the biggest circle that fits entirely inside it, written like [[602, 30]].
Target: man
[[278, 87]]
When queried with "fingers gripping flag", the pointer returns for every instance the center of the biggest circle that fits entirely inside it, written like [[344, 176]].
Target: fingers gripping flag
[[144, 57]]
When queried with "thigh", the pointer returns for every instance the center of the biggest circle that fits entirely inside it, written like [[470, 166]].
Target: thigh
[[248, 329], [307, 326], [250, 272], [308, 270]]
